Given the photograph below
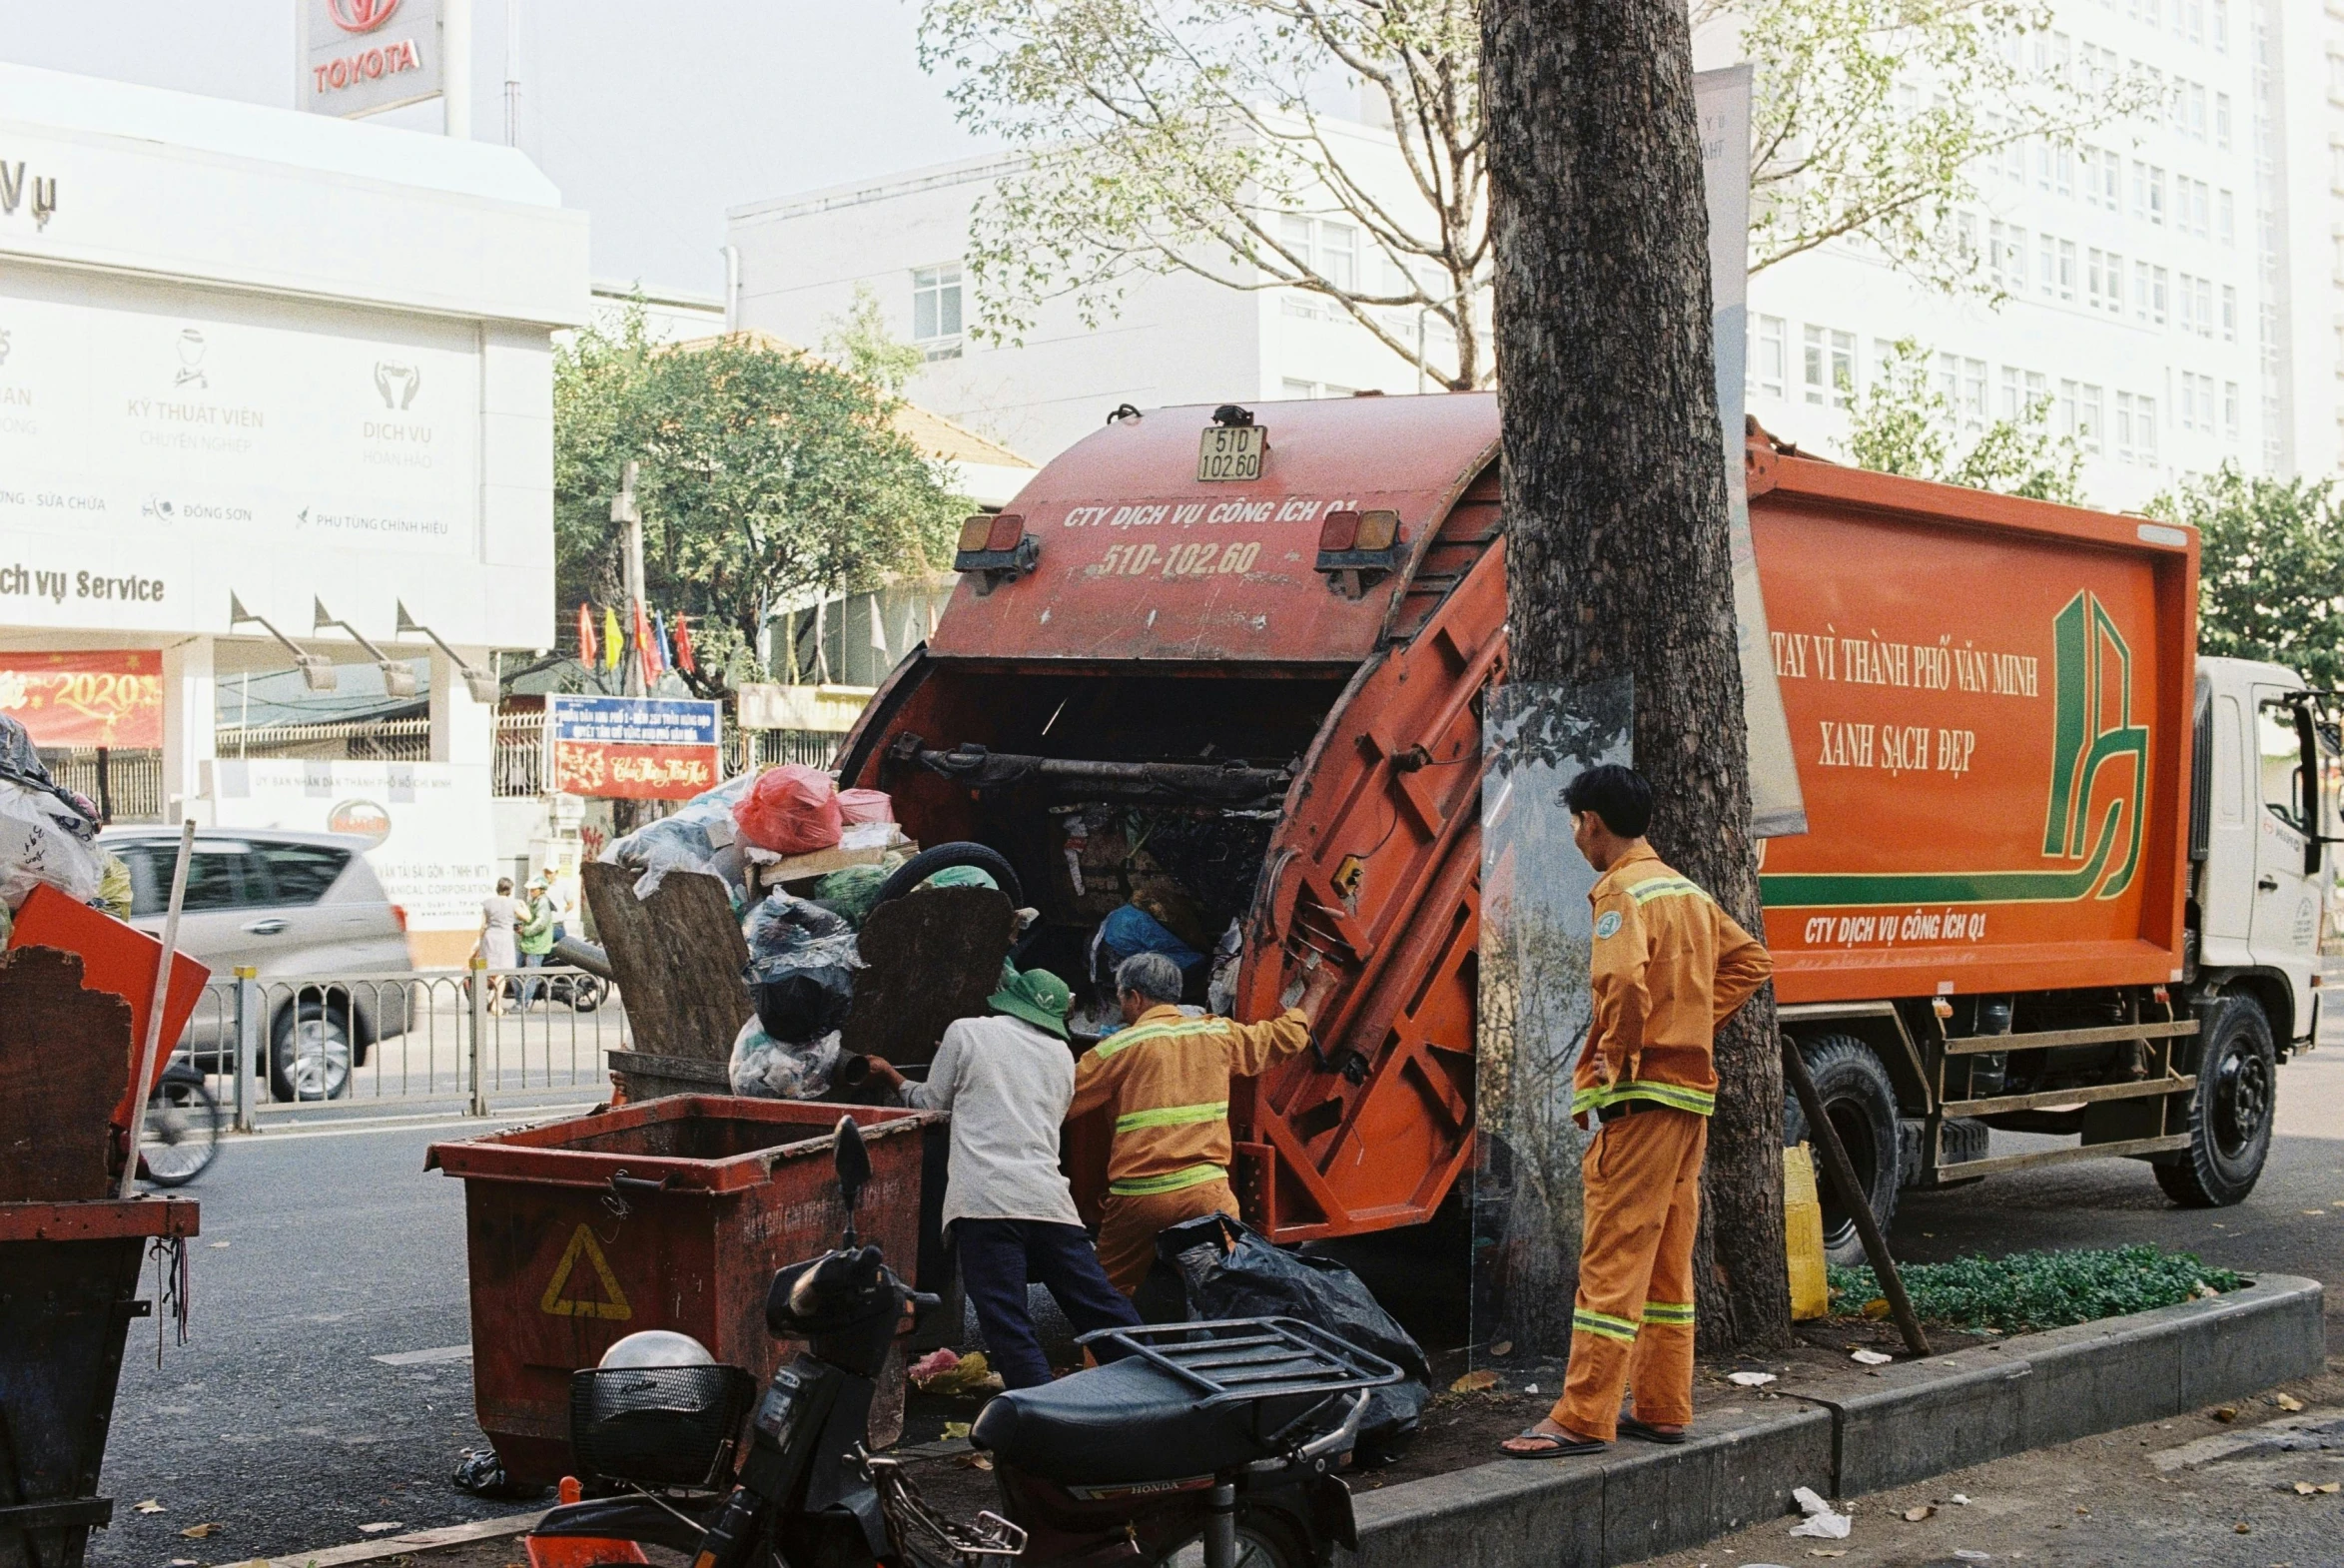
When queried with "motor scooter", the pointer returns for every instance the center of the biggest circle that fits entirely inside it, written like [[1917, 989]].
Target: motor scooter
[[1212, 1443]]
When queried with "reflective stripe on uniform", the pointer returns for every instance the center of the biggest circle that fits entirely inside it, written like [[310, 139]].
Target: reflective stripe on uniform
[[1125, 1038], [1171, 1116], [1674, 1314], [1143, 1186], [1664, 887], [1676, 1097], [1585, 1321]]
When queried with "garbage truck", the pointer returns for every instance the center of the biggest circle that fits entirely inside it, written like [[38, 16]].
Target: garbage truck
[[2062, 875]]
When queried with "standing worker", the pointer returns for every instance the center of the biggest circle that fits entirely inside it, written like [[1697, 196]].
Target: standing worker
[[1006, 1081], [1167, 1078], [1669, 967], [536, 938]]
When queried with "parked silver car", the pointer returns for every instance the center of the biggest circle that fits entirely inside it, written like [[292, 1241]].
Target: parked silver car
[[286, 904]]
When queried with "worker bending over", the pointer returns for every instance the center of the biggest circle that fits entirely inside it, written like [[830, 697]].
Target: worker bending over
[[1006, 1081], [1167, 1075], [1669, 967]]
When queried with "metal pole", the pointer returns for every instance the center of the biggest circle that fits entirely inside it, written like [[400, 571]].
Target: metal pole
[[156, 1005], [1855, 1202], [248, 1047], [513, 73], [456, 67], [479, 1028]]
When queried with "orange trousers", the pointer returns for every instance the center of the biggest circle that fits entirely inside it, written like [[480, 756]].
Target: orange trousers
[[1128, 1224], [1632, 1322]]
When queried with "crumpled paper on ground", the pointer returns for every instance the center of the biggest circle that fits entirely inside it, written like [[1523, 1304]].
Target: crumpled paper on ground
[[1823, 1522]]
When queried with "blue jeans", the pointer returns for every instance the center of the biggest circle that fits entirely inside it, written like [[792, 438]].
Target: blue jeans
[[997, 1260]]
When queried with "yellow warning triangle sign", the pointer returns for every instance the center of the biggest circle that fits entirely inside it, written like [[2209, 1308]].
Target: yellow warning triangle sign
[[555, 1300]]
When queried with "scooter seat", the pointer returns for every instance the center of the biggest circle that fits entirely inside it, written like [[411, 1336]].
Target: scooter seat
[[1128, 1422]]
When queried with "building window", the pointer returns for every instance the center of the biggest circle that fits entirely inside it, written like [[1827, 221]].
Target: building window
[[2013, 409], [2201, 209], [2067, 269], [2157, 195], [2088, 419], [2140, 290], [2123, 432], [2221, 133], [1771, 363], [1292, 387], [2229, 420], [2229, 321], [2226, 219], [1974, 392], [936, 311], [2197, 115], [1829, 365], [2187, 299], [2068, 413], [2156, 286], [2205, 307], [2221, 10], [2006, 254], [2145, 429]]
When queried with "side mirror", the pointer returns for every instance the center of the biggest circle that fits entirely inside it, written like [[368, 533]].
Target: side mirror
[[853, 1162], [2307, 788]]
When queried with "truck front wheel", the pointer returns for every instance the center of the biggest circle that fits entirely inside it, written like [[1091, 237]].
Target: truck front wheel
[[1862, 1105], [2230, 1114]]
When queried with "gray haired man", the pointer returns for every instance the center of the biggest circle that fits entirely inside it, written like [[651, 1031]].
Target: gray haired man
[[1167, 1075]]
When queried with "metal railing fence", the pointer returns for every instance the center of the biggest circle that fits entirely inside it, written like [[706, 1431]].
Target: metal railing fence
[[295, 1044]]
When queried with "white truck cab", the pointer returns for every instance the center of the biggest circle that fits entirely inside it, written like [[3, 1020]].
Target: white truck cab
[[2261, 816]]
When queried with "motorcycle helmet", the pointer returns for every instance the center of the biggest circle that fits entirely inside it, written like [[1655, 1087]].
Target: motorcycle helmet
[[657, 1347]]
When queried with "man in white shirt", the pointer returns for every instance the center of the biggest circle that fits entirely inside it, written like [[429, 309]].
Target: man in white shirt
[[1007, 1079]]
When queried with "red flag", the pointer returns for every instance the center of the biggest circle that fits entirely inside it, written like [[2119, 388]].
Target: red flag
[[683, 646], [585, 636], [644, 646]]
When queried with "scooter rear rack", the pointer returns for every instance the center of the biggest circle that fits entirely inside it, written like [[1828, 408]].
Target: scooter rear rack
[[1237, 1359]]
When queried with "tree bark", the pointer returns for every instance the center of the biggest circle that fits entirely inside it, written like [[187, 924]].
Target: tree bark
[[1615, 502]]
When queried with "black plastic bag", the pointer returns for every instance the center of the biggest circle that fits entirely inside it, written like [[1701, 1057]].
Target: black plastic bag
[[1228, 1270]]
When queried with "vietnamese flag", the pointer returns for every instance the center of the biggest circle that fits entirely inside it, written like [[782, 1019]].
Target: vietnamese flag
[[586, 648], [683, 646]]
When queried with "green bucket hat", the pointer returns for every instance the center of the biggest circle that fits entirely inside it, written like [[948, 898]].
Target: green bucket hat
[[1037, 996]]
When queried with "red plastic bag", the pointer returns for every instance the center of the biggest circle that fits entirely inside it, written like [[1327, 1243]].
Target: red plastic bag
[[790, 810], [865, 805]]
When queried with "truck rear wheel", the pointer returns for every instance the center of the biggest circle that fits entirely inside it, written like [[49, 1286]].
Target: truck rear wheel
[[1862, 1105], [2230, 1114]]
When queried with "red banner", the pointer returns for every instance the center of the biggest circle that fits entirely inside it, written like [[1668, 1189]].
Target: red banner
[[632, 770], [85, 699]]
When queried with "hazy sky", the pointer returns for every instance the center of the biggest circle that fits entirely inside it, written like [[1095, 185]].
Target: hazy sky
[[653, 115]]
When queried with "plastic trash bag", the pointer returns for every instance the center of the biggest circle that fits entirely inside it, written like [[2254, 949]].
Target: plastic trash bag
[[791, 810], [852, 893], [43, 838], [764, 1068], [1129, 929], [1220, 993], [479, 1472], [687, 840], [786, 933], [1228, 1270], [865, 805]]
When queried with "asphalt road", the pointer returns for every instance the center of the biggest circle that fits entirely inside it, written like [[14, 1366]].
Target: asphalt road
[[320, 1250], [323, 1249]]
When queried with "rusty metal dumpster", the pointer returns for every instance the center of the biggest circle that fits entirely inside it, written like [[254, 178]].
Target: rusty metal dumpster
[[673, 1214], [68, 1292]]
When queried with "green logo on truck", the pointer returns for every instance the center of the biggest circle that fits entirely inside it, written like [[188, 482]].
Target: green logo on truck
[[2093, 729]]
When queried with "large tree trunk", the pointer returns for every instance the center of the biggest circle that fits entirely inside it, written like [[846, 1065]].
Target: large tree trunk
[[1615, 502]]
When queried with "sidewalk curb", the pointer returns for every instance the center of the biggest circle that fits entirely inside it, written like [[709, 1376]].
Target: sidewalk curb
[[1928, 1417]]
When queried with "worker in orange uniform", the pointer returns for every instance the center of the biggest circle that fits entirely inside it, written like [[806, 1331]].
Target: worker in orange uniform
[[1167, 1076], [1669, 967]]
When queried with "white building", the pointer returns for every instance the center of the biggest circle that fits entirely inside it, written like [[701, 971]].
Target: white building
[[2173, 290], [1177, 339], [261, 360]]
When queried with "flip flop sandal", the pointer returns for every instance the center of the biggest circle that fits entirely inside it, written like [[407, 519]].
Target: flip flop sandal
[[1557, 1447], [1631, 1427]]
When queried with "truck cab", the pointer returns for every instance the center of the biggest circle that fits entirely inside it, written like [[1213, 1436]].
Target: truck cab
[[2262, 869]]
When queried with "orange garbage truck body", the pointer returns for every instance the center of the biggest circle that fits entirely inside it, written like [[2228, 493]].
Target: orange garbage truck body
[[1228, 665]]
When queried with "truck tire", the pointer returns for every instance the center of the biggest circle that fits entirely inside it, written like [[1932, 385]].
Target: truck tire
[[1862, 1105], [2230, 1114], [943, 857]]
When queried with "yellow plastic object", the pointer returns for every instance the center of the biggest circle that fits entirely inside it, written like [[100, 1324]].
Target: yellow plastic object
[[1811, 1294]]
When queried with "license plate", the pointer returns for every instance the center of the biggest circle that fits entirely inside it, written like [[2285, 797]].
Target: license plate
[[1231, 451]]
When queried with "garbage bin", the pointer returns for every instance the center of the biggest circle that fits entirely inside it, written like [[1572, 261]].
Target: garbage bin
[[673, 1214], [68, 1290]]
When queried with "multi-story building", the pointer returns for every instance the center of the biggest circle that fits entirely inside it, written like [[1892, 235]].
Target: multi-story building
[[2172, 290]]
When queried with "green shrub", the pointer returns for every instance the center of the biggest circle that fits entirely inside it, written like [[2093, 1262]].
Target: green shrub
[[2039, 1289]]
